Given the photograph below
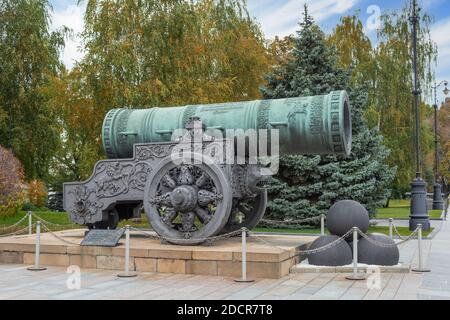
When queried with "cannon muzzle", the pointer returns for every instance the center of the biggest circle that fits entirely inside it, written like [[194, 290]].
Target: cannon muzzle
[[307, 125]]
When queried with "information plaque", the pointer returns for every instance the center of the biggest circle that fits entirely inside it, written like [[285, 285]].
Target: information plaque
[[103, 238]]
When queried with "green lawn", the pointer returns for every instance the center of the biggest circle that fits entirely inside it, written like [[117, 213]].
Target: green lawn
[[63, 219], [402, 212], [54, 217], [404, 231], [60, 218]]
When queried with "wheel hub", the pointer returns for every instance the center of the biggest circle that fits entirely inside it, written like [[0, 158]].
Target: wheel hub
[[184, 198]]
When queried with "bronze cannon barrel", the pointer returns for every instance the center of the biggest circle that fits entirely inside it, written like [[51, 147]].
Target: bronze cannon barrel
[[307, 125]]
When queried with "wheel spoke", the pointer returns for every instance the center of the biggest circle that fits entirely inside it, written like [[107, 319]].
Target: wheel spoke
[[185, 177], [163, 200], [244, 208], [203, 215], [167, 180], [201, 180], [188, 222], [206, 197], [170, 217]]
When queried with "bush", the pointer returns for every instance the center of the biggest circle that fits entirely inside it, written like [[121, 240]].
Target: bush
[[11, 183], [37, 193], [28, 206]]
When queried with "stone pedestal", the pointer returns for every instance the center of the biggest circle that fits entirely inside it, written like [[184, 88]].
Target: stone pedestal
[[438, 202], [269, 258], [419, 210]]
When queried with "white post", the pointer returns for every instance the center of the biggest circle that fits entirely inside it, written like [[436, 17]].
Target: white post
[[127, 273], [30, 223], [322, 224], [391, 222], [355, 251], [37, 254], [244, 278], [419, 242], [355, 275]]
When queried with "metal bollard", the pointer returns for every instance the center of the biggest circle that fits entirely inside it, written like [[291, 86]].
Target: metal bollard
[[355, 275], [37, 254], [419, 241], [244, 278], [322, 224], [391, 222], [127, 273], [30, 223]]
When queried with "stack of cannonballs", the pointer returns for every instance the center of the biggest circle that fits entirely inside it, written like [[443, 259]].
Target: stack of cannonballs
[[342, 217]]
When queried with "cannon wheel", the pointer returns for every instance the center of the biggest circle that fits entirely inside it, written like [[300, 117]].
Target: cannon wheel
[[188, 203], [247, 213], [111, 223]]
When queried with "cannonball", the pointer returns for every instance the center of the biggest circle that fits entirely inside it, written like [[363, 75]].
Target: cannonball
[[338, 255], [346, 214], [372, 254]]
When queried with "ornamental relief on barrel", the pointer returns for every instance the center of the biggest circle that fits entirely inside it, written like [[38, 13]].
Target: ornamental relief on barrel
[[316, 115]]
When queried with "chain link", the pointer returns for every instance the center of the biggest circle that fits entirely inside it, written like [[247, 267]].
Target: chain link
[[290, 222], [388, 245], [16, 233], [187, 241], [326, 247], [307, 252], [57, 236], [51, 223], [15, 224], [396, 231]]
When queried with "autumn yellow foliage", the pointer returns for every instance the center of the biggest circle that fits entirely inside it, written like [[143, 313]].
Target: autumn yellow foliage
[[37, 193]]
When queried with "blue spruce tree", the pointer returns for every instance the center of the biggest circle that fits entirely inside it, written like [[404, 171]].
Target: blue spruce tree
[[307, 186]]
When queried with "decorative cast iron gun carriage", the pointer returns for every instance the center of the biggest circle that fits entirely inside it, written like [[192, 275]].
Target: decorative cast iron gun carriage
[[189, 201]]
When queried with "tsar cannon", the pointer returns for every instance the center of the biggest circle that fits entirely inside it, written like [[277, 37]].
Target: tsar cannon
[[187, 193]]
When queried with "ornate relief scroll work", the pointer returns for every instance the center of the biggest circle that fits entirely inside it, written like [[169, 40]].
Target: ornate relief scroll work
[[83, 207], [115, 178]]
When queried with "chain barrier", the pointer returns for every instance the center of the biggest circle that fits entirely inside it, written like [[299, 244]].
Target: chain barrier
[[187, 241], [394, 227], [17, 233], [57, 236], [15, 224], [52, 223], [388, 245], [290, 222], [307, 252], [341, 239]]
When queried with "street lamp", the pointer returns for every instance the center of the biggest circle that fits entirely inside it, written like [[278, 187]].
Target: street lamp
[[419, 209], [438, 202]]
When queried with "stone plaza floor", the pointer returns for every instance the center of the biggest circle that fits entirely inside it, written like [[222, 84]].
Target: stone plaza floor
[[16, 282]]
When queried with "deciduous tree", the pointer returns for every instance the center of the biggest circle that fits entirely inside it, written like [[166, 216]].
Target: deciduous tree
[[29, 59]]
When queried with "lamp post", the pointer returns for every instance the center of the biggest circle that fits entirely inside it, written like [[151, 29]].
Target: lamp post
[[419, 210], [438, 202]]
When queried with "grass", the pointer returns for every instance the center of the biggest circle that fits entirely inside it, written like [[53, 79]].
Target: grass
[[60, 218], [403, 231], [400, 209]]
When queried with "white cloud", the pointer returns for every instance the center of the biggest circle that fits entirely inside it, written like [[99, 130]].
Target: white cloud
[[71, 17], [283, 20]]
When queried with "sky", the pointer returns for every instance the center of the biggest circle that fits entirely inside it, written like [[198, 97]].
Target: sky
[[280, 18]]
